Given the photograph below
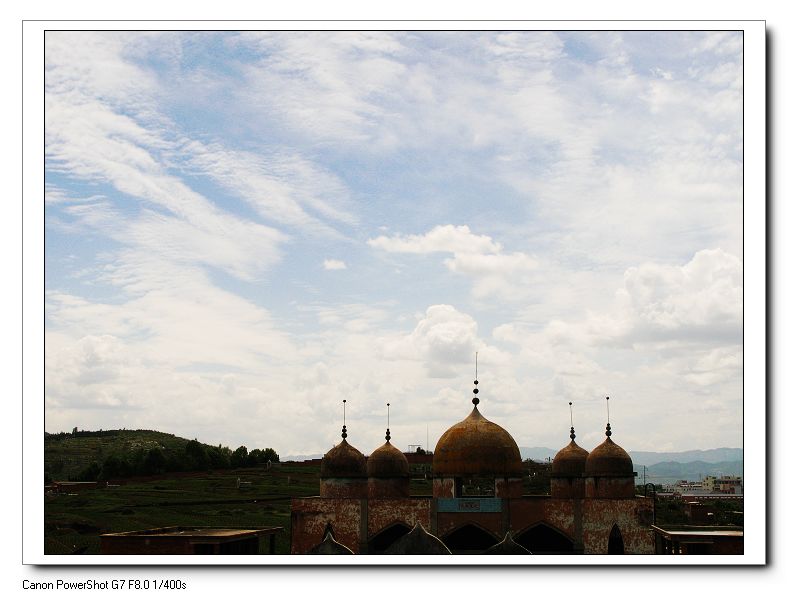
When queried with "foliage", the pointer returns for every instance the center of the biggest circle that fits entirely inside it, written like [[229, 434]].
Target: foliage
[[117, 454]]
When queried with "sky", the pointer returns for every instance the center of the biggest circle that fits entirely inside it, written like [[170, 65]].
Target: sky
[[242, 229]]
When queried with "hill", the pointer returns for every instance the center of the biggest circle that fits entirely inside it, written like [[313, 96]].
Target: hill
[[91, 455], [66, 455]]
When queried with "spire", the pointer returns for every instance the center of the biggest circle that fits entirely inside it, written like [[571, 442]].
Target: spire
[[344, 428], [388, 423], [608, 432], [571, 423], [475, 399]]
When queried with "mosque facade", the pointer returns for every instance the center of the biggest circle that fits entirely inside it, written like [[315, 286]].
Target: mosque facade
[[477, 503]]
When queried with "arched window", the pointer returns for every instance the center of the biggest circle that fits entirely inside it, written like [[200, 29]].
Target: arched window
[[387, 537], [469, 539], [542, 539], [615, 543]]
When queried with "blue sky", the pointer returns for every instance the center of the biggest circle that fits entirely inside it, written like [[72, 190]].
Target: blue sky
[[245, 228]]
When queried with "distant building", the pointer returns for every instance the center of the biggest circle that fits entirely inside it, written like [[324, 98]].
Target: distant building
[[728, 485], [189, 541]]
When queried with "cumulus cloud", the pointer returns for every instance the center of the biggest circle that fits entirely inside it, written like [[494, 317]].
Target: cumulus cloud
[[443, 238], [477, 256], [445, 339], [332, 264]]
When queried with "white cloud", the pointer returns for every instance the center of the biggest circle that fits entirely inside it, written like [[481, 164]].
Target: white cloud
[[443, 238], [445, 340], [281, 186], [332, 264], [477, 256]]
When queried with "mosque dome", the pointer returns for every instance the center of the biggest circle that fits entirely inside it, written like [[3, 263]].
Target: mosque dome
[[608, 460], [343, 461], [476, 446], [387, 462], [571, 460]]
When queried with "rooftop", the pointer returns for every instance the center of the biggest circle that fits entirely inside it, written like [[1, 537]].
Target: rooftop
[[200, 532]]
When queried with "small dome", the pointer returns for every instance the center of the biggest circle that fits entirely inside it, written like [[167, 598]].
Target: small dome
[[343, 461], [386, 462], [418, 542], [507, 546], [476, 446], [571, 460], [608, 460], [329, 546]]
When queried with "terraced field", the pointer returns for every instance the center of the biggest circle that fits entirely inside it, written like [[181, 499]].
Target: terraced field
[[73, 523]]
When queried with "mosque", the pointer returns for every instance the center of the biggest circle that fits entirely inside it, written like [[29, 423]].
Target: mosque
[[477, 503]]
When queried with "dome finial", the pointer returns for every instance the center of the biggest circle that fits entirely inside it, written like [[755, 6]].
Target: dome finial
[[344, 428], [475, 399], [388, 423], [608, 432], [571, 423]]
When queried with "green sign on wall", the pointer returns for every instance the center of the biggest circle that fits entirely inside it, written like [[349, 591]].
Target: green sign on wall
[[469, 505]]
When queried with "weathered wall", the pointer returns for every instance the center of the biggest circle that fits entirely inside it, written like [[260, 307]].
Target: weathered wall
[[527, 511], [309, 517], [633, 517], [388, 488], [508, 487], [384, 513], [610, 487], [442, 487], [567, 487], [343, 488]]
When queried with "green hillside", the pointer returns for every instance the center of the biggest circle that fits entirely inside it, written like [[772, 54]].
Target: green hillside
[[92, 455], [66, 455]]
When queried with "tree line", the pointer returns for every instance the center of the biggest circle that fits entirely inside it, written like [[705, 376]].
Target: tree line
[[195, 456]]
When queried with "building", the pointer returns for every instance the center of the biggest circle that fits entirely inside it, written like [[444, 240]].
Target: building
[[189, 541], [725, 484], [704, 540], [477, 500]]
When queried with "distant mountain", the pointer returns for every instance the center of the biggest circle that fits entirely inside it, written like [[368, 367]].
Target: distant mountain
[[670, 472], [720, 454], [300, 457], [537, 453]]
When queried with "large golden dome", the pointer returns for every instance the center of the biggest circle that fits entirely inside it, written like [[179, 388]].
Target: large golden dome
[[476, 446]]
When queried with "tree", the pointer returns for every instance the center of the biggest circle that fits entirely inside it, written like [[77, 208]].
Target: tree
[[91, 473], [154, 462], [240, 457], [115, 465], [219, 457], [255, 457], [196, 457], [269, 455]]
